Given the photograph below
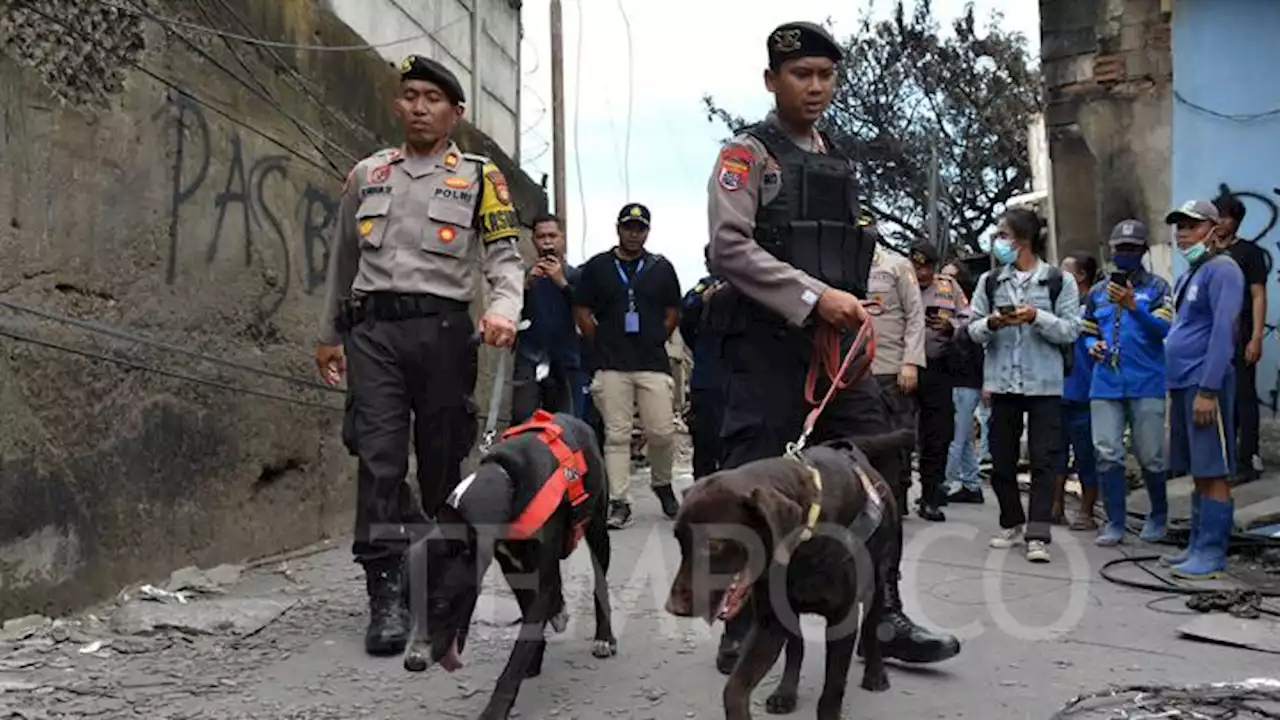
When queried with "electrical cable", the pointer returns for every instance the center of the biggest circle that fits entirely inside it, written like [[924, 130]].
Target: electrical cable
[[1235, 117], [272, 43], [120, 334], [6, 332], [631, 86], [577, 156]]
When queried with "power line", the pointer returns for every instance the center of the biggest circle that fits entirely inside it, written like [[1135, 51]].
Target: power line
[[577, 156], [6, 332], [248, 40], [121, 334], [631, 85]]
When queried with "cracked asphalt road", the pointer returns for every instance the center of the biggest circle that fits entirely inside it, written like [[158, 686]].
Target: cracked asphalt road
[[1034, 636]]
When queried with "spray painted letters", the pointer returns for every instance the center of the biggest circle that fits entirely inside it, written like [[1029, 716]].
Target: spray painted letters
[[246, 207]]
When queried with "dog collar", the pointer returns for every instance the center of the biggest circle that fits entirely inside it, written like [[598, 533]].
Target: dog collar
[[815, 507]]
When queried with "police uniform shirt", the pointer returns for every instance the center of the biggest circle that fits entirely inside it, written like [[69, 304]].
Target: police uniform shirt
[[897, 313], [745, 178], [425, 225], [944, 297]]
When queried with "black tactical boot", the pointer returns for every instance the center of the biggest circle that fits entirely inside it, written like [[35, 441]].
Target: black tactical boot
[[903, 640], [388, 629]]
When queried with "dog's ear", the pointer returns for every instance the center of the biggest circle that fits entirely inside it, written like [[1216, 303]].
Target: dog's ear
[[783, 515]]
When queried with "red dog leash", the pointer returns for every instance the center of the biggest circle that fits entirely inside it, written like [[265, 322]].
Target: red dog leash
[[841, 373]]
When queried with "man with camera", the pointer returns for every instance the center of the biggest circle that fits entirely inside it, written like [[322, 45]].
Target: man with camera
[[548, 368], [1132, 313]]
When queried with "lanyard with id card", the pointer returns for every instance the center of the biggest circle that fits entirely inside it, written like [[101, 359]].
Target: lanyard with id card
[[631, 323]]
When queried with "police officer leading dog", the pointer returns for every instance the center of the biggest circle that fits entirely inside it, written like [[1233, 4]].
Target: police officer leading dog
[[417, 224], [781, 198]]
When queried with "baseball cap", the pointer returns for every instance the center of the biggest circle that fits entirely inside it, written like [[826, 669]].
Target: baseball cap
[[1195, 210], [1129, 232], [634, 212]]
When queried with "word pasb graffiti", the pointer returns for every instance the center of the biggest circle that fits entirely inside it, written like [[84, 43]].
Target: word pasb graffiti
[[1262, 211], [249, 204]]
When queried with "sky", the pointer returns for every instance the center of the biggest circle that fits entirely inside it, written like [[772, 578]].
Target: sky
[[651, 95]]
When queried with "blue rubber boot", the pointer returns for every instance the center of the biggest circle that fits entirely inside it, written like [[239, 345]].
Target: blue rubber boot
[[1113, 497], [1153, 530], [1209, 556], [1181, 556]]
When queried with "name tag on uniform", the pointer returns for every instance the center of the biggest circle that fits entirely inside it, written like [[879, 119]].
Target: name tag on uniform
[[631, 322]]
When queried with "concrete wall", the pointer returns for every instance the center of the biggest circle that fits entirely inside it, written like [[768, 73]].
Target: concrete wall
[[1226, 135], [462, 34], [178, 187], [1108, 71]]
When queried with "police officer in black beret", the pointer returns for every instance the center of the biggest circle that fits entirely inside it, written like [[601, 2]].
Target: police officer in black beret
[[418, 226], [766, 240]]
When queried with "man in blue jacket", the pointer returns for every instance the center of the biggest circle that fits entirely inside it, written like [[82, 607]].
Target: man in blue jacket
[[706, 390], [1201, 380], [1132, 313]]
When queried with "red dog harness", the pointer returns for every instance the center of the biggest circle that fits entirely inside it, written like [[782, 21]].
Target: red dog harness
[[565, 482]]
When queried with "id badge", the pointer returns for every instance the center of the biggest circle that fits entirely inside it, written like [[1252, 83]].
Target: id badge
[[632, 324]]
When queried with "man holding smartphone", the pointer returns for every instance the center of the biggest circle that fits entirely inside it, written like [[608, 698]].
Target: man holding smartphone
[[548, 365], [1132, 313]]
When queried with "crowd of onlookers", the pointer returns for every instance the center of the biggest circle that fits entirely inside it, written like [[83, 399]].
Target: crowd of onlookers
[[1090, 364]]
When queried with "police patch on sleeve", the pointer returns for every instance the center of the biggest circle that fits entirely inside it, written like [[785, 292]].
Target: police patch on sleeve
[[735, 167], [498, 218]]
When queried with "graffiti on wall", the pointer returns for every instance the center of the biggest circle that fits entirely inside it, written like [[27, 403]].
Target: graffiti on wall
[[1262, 211], [249, 203]]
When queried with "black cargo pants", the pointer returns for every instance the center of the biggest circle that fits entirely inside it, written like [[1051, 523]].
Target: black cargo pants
[[936, 429], [407, 378], [765, 409]]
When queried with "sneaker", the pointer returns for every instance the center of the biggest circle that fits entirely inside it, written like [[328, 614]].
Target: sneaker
[[619, 515], [1037, 551], [667, 497], [967, 496], [1007, 538]]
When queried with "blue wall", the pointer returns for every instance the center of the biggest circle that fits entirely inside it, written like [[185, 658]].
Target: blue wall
[[1226, 60]]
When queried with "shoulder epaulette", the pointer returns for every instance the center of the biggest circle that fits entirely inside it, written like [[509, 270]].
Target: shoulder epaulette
[[476, 157]]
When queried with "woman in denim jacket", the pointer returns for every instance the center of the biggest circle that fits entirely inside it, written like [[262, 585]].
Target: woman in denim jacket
[[1025, 331]]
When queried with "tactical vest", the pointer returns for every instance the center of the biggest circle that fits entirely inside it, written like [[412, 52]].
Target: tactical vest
[[813, 222], [564, 485]]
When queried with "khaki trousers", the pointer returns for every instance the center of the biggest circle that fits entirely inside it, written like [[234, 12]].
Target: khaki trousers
[[618, 395]]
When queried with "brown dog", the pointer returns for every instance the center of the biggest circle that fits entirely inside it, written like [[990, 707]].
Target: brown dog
[[777, 527]]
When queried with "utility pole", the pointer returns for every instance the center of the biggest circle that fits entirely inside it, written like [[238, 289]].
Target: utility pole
[[935, 236], [477, 84], [557, 112]]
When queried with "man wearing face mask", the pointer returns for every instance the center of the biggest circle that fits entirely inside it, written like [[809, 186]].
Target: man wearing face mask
[[1131, 313], [1201, 381], [417, 226]]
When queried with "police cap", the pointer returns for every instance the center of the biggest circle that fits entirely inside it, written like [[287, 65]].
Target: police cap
[[795, 40], [416, 67], [634, 212], [924, 253]]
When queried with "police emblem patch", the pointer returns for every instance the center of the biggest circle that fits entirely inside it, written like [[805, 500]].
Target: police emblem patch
[[735, 167], [500, 186], [380, 174]]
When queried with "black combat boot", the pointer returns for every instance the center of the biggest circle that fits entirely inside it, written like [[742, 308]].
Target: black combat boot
[[388, 629], [903, 640]]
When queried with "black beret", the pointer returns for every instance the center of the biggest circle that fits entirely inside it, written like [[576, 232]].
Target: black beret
[[924, 253], [416, 67], [795, 40]]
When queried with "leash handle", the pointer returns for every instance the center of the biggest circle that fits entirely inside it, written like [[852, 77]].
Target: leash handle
[[826, 343]]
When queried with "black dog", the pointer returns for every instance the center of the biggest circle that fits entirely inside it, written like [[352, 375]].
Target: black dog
[[530, 500], [779, 499]]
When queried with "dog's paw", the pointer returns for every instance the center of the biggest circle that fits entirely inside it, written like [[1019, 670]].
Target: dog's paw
[[559, 622], [415, 660], [875, 681], [604, 648], [781, 702]]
